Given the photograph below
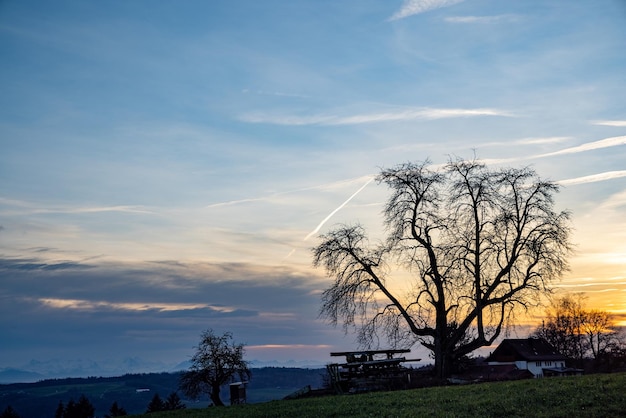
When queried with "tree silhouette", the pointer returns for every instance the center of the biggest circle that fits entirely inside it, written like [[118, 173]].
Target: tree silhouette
[[81, 409], [173, 402], [60, 410], [471, 245], [9, 412], [116, 411], [216, 361], [156, 404]]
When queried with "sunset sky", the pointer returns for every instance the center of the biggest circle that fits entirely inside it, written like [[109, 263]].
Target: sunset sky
[[166, 166]]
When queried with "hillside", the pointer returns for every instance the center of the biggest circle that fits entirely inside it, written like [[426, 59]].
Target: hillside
[[134, 391], [600, 395]]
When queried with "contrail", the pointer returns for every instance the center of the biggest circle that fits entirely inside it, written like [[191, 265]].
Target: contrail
[[316, 230]]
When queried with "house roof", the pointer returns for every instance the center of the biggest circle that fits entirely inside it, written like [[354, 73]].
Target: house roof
[[529, 349]]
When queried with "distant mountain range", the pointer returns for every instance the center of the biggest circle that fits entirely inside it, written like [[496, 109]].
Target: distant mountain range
[[37, 370]]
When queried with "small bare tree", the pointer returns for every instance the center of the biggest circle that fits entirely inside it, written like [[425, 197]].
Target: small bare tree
[[216, 361], [477, 244]]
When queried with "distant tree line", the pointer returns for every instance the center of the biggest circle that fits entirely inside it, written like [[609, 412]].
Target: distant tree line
[[583, 334], [172, 403], [83, 408]]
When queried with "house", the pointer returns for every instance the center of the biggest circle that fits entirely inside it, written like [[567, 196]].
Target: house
[[533, 354]]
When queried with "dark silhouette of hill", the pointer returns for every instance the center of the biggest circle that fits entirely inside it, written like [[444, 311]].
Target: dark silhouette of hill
[[133, 392]]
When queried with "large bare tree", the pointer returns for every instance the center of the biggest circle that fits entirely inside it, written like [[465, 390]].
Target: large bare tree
[[471, 244]]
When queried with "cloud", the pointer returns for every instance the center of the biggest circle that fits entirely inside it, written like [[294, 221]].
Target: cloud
[[327, 186], [94, 305], [413, 7], [32, 264], [589, 146], [29, 207], [119, 208], [480, 19], [614, 201], [393, 116], [616, 123], [609, 175], [72, 311], [288, 346], [603, 143], [528, 141], [546, 140]]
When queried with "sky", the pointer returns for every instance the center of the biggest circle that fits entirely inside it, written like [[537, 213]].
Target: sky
[[166, 167]]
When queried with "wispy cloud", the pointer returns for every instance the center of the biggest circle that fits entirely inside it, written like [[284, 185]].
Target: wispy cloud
[[546, 140], [603, 143], [120, 208], [35, 208], [609, 175], [480, 19], [590, 146], [413, 7], [528, 141], [238, 201], [616, 123], [288, 346], [401, 115], [87, 305], [327, 186], [616, 200]]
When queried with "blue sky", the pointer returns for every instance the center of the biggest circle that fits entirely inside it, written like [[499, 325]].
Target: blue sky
[[167, 166]]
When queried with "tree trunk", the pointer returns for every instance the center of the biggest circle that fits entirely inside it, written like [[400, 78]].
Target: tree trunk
[[443, 358], [215, 395], [443, 365]]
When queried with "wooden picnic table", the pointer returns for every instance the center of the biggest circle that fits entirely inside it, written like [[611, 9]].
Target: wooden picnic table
[[363, 371], [367, 355]]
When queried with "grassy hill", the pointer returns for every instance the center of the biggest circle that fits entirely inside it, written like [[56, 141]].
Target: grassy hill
[[600, 395]]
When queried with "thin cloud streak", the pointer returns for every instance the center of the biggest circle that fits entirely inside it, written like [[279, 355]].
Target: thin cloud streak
[[321, 224], [603, 143], [616, 123], [548, 140], [413, 7], [290, 346], [479, 19], [405, 115], [33, 208], [126, 209], [327, 186], [87, 305], [589, 146], [609, 175]]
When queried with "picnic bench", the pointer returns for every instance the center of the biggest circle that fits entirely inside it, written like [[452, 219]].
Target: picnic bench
[[368, 369]]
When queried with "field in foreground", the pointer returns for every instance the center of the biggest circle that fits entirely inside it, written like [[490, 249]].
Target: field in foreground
[[600, 395]]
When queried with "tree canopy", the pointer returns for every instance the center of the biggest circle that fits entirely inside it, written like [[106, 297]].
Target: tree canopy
[[217, 360], [474, 243]]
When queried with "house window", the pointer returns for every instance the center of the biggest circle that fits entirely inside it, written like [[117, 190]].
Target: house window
[[548, 363], [538, 364]]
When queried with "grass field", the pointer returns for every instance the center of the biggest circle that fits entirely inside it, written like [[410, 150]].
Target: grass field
[[601, 395]]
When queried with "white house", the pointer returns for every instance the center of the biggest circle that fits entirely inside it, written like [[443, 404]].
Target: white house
[[533, 354]]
